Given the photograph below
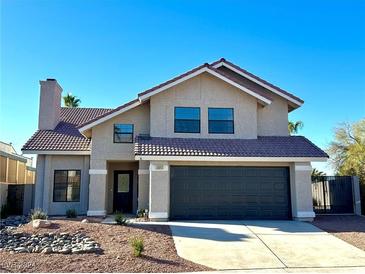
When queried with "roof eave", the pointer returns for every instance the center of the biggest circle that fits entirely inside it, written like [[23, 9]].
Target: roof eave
[[263, 100], [229, 159], [295, 103], [56, 152]]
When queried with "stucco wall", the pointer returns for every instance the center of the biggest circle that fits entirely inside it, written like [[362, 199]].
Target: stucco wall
[[272, 120], [46, 165], [203, 91], [103, 147]]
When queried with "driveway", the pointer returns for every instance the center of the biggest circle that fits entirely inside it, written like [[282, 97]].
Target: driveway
[[229, 245]]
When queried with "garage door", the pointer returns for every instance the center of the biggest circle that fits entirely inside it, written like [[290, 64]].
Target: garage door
[[229, 193]]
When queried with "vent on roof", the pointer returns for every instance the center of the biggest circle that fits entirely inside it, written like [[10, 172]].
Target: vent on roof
[[51, 79]]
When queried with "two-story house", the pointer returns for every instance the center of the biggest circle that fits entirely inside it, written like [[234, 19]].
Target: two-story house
[[212, 143]]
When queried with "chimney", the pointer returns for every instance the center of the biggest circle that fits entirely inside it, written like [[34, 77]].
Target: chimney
[[50, 104]]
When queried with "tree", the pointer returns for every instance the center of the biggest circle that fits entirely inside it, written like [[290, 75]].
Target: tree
[[71, 101], [347, 151], [293, 127], [316, 173]]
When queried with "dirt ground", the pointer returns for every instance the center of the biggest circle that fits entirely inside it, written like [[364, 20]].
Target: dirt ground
[[348, 228], [159, 255]]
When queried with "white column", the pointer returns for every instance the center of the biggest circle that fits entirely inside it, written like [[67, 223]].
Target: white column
[[301, 192], [159, 200], [97, 188]]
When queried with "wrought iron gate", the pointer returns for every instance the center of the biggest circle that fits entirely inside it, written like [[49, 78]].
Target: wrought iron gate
[[332, 194]]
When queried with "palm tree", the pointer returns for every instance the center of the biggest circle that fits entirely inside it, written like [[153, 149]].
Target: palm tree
[[71, 101], [316, 173], [294, 127]]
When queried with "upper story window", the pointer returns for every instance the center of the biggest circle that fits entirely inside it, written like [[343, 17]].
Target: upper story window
[[187, 120], [66, 186], [123, 133], [220, 120]]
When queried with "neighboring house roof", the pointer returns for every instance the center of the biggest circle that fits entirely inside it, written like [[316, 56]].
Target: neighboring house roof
[[257, 91], [65, 137], [268, 146]]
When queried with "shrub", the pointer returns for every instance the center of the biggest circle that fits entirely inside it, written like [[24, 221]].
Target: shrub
[[38, 213], [71, 213], [142, 213], [120, 219], [4, 211], [137, 245]]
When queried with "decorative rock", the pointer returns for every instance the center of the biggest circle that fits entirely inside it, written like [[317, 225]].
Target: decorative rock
[[47, 250], [38, 223], [85, 221]]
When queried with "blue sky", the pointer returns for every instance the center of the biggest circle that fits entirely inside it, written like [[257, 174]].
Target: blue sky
[[106, 52]]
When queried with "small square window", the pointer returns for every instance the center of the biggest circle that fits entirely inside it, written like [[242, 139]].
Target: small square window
[[187, 120], [123, 133], [220, 120]]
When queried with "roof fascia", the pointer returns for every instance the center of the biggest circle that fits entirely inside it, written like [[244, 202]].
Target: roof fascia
[[262, 99], [276, 91]]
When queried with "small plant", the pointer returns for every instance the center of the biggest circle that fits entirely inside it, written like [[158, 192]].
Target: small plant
[[4, 211], [71, 213], [137, 245], [142, 213], [120, 219], [38, 213]]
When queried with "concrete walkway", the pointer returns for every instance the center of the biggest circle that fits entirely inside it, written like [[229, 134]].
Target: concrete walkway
[[280, 245]]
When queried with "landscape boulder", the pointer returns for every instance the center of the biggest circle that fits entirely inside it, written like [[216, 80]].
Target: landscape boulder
[[38, 223]]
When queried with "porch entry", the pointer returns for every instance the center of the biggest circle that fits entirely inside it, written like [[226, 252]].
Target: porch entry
[[123, 191]]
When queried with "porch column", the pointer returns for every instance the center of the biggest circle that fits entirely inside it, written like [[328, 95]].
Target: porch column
[[301, 191], [159, 201], [97, 188], [143, 184]]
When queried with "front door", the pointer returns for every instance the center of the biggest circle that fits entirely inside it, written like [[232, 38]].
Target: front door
[[123, 191]]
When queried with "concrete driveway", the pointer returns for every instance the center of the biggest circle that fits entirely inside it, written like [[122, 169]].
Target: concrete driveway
[[229, 245]]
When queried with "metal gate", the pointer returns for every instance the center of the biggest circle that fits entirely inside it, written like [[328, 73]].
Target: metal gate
[[16, 199], [332, 195]]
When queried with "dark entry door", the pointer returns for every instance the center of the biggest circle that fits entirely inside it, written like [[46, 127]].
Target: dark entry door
[[230, 193], [123, 191]]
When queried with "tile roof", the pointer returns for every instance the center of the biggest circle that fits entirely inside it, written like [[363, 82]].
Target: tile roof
[[257, 78], [66, 135], [270, 146]]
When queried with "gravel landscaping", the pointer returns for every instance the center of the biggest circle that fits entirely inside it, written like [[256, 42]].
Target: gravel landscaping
[[350, 229], [112, 250]]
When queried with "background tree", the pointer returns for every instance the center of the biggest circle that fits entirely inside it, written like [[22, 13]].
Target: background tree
[[294, 127], [317, 173], [347, 150], [71, 101]]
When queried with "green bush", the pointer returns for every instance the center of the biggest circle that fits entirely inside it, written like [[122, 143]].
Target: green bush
[[38, 213], [137, 245], [120, 219], [142, 213], [71, 213], [4, 211]]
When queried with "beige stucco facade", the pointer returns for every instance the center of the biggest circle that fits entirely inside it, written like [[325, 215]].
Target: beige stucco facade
[[46, 165], [151, 178]]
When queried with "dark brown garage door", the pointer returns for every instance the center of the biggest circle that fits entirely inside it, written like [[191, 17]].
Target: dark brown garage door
[[229, 193]]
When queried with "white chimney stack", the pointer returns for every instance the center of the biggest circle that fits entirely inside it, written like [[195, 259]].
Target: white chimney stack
[[50, 104]]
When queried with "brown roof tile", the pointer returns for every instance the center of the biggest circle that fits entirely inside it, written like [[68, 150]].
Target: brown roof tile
[[263, 146], [66, 135]]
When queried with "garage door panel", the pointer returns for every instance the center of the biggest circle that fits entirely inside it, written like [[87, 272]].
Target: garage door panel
[[229, 193]]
